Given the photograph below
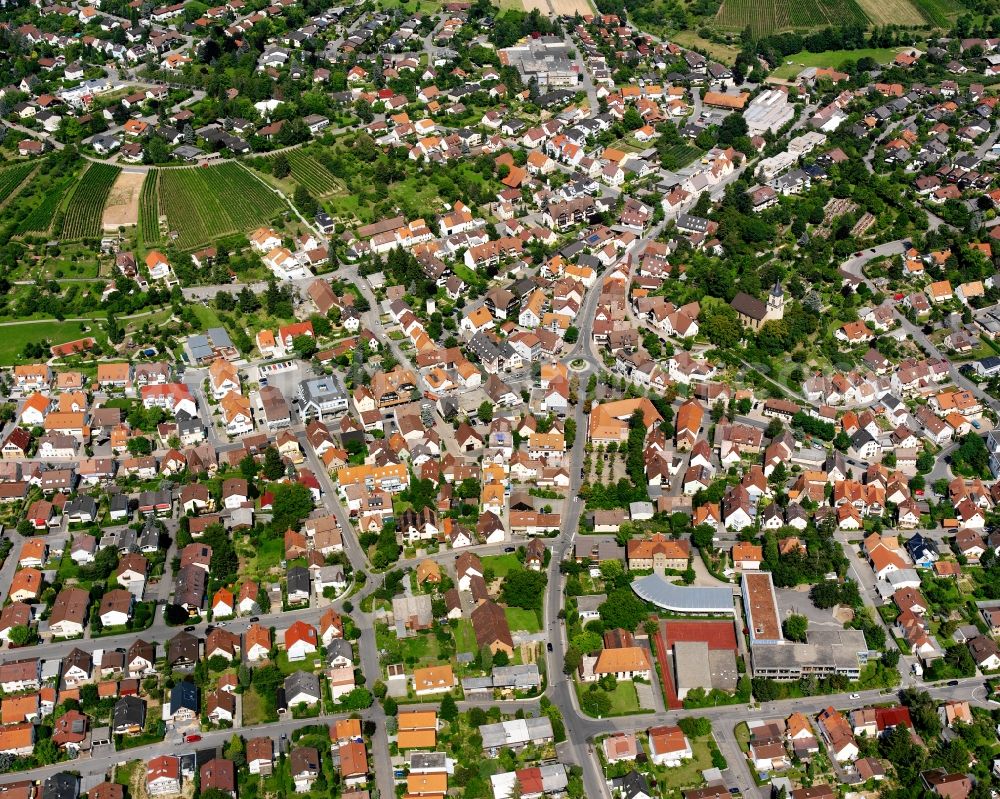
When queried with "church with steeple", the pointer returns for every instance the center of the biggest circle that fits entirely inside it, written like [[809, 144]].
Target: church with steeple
[[753, 313]]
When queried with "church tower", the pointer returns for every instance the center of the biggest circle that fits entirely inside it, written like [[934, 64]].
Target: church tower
[[776, 302]]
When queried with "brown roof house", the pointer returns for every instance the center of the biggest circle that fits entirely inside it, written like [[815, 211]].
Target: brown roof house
[[69, 613], [489, 622]]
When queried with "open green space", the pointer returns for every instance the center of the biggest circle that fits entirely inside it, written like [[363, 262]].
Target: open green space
[[14, 337], [521, 619], [832, 59], [206, 316], [939, 12], [205, 203], [680, 155], [720, 52], [85, 208], [255, 709], [308, 663]]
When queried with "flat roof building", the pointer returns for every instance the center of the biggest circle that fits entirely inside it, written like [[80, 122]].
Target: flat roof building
[[825, 653], [321, 397], [692, 667]]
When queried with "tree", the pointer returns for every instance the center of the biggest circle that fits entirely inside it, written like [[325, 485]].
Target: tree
[[280, 167], [622, 609], [971, 458], [248, 467], [139, 445], [721, 325], [695, 726], [116, 335], [485, 412], [304, 346], [795, 627], [449, 709], [595, 703], [293, 502], [572, 661], [632, 120], [273, 468], [19, 635], [358, 699], [523, 589], [824, 595], [611, 570], [572, 335], [46, 752]]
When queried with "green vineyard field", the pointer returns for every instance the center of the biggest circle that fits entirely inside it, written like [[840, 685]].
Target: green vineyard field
[[11, 179], [40, 218], [206, 203], [312, 175], [86, 205], [149, 208], [771, 16]]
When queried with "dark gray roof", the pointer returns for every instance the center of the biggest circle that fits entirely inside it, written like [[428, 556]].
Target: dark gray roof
[[749, 306], [184, 694]]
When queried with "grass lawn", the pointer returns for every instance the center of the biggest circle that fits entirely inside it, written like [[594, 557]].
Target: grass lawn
[[831, 59], [124, 772], [255, 710], [501, 564], [688, 774], [420, 648], [521, 619], [287, 667], [14, 337], [721, 52], [624, 699], [268, 554], [465, 637], [68, 569], [206, 316], [742, 733]]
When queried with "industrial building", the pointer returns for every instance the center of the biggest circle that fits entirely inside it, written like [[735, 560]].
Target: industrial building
[[768, 111]]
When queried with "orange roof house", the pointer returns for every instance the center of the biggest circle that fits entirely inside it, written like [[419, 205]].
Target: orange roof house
[[433, 679], [417, 730], [725, 100]]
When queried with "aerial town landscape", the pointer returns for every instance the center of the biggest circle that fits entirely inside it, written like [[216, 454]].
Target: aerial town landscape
[[415, 399]]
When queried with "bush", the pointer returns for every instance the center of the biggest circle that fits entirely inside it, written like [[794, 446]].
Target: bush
[[695, 726]]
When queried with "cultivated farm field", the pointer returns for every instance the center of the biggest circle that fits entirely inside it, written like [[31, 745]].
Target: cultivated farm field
[[85, 208], [892, 12], [205, 203], [772, 16], [122, 207], [939, 12]]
